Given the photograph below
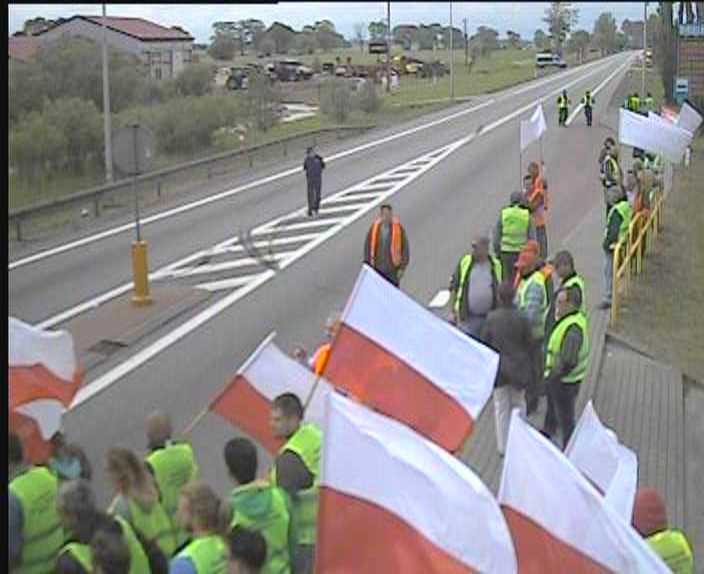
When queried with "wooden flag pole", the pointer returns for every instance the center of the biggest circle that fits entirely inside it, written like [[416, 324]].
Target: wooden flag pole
[[520, 160]]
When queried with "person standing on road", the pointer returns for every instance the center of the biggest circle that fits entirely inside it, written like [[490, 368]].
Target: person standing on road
[[85, 525], [617, 223], [563, 103], [257, 505], [537, 200], [648, 103], [173, 465], [386, 247], [507, 331], [319, 360], [137, 500], [588, 102], [296, 470], [532, 300], [563, 263], [313, 166], [34, 530], [513, 229], [566, 364], [201, 512], [612, 177], [473, 287], [650, 520]]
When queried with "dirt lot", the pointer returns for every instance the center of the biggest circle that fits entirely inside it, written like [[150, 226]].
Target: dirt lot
[[664, 315]]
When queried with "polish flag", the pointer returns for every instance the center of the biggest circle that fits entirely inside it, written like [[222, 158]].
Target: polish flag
[[392, 501], [610, 466], [399, 358], [246, 401], [558, 520], [43, 378]]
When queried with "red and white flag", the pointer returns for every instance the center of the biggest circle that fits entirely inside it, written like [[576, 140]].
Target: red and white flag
[[558, 520], [43, 377], [392, 501], [397, 357], [246, 401], [610, 466]]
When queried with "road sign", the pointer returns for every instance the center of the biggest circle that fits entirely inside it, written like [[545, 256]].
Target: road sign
[[681, 90], [133, 149]]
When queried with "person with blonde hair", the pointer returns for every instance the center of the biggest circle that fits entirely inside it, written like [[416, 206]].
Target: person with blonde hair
[[202, 513], [137, 500]]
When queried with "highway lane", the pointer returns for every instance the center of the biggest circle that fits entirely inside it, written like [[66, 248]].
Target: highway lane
[[442, 210], [44, 288]]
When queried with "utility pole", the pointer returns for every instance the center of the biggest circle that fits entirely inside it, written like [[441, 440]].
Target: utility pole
[[106, 104], [645, 46], [388, 47], [466, 44], [452, 59]]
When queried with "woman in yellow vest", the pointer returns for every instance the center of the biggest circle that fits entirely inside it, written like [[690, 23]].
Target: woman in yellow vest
[[84, 523], [137, 500], [201, 512], [650, 520]]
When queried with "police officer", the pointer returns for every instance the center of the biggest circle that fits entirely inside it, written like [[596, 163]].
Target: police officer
[[297, 470], [35, 533], [562, 106], [173, 465], [611, 176], [588, 101], [617, 223]]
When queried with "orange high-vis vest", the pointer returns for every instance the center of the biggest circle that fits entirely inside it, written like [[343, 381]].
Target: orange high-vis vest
[[320, 359], [546, 270], [538, 199], [396, 242]]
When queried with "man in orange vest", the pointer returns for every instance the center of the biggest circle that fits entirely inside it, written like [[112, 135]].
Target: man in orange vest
[[319, 360], [386, 248], [537, 199]]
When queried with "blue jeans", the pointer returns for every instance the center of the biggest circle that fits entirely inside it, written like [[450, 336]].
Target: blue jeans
[[608, 275]]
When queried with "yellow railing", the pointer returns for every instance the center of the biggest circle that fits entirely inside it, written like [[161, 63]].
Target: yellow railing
[[630, 252]]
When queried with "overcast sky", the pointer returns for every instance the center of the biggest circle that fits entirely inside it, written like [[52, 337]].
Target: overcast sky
[[523, 17]]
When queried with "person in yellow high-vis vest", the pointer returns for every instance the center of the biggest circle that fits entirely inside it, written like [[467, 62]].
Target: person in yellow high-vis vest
[[617, 224], [137, 500], [35, 533], [258, 505], [84, 522], [513, 229], [566, 362], [671, 544], [563, 103], [206, 518], [297, 471], [173, 465]]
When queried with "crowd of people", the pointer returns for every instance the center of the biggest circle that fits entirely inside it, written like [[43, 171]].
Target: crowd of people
[[530, 308]]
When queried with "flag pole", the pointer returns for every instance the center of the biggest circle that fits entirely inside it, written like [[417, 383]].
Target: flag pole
[[520, 160]]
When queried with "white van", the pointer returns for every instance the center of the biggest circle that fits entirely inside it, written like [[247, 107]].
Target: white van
[[548, 60]]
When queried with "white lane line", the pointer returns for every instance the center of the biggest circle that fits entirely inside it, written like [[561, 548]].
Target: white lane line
[[115, 374], [296, 226], [440, 299], [144, 355], [217, 267], [340, 208], [226, 284], [275, 177], [263, 244], [96, 301], [594, 93], [355, 197]]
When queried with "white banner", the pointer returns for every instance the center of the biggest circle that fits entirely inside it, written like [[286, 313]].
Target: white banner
[[532, 129], [652, 135], [689, 119]]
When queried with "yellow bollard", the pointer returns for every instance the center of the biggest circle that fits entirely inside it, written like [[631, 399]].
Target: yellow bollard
[[140, 274]]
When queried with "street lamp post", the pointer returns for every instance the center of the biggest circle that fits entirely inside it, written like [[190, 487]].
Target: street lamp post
[[645, 46], [452, 60], [388, 47], [106, 104]]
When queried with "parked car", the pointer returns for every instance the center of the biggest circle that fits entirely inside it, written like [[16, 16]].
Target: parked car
[[549, 60]]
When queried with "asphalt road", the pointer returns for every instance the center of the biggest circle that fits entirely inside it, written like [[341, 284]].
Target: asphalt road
[[442, 210]]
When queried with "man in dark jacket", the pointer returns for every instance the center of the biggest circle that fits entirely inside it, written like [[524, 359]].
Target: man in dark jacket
[[508, 332], [386, 247], [313, 166], [617, 223]]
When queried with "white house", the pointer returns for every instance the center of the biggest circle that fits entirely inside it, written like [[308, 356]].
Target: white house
[[164, 51]]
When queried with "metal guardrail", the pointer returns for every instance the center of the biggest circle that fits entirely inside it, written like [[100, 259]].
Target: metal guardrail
[[96, 194], [630, 252]]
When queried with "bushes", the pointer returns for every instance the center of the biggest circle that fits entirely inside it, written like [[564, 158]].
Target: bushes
[[260, 100], [336, 99], [367, 98], [66, 134], [194, 80]]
